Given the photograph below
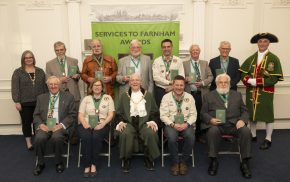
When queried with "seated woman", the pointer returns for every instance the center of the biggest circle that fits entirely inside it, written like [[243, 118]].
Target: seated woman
[[137, 117], [95, 109]]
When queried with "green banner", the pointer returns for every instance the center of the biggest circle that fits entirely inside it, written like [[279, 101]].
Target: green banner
[[116, 36]]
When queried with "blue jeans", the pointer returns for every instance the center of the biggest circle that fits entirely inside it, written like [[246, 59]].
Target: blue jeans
[[188, 137]]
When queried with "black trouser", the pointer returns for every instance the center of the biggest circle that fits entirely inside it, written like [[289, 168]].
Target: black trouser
[[214, 138], [26, 115], [159, 93], [198, 102], [56, 138], [92, 143]]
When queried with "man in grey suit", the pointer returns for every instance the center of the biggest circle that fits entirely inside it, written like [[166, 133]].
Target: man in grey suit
[[67, 70], [198, 77], [141, 64], [227, 104], [54, 114]]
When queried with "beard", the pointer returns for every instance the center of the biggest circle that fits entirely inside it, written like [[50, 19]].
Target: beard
[[223, 90]]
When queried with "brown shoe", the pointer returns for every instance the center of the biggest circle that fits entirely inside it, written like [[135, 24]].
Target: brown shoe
[[174, 169], [183, 168]]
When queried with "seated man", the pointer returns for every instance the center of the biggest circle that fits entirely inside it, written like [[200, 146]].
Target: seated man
[[53, 116], [137, 117], [224, 112], [178, 112]]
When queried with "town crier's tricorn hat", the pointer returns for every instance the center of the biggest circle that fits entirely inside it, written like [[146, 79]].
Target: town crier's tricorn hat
[[271, 37]]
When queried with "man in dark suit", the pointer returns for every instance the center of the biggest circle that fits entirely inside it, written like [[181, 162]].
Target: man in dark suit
[[230, 102], [60, 107], [225, 64], [200, 86], [142, 65]]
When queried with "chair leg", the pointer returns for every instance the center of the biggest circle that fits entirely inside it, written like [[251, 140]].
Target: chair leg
[[36, 160], [240, 153], [162, 149], [79, 156], [109, 149], [68, 153], [192, 156]]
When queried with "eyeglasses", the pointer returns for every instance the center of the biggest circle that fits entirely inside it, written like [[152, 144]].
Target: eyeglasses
[[97, 85], [223, 83], [225, 49], [59, 50], [28, 57]]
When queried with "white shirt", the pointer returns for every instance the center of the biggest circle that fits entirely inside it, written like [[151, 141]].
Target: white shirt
[[159, 70], [261, 56], [137, 104]]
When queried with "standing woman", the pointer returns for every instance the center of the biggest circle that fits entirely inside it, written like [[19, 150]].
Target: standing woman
[[27, 83], [95, 104]]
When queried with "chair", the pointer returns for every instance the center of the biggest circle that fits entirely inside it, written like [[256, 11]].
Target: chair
[[163, 154], [49, 154], [231, 151], [108, 154], [68, 137]]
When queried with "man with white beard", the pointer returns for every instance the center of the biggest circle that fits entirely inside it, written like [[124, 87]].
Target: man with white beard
[[224, 112]]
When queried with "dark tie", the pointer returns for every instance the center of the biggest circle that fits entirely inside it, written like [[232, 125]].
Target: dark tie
[[196, 69], [224, 96]]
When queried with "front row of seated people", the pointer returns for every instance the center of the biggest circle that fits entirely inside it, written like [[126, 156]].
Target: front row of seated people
[[137, 123]]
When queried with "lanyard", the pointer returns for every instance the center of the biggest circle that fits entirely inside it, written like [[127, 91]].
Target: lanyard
[[62, 65], [97, 103], [52, 101], [178, 103], [167, 64], [224, 97], [135, 62], [100, 62], [195, 67], [223, 66]]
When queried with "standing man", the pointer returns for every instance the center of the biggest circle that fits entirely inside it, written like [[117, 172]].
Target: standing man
[[58, 106], [260, 73], [61, 67], [100, 63], [178, 113], [67, 70], [230, 105], [141, 64], [198, 76], [225, 64], [165, 68]]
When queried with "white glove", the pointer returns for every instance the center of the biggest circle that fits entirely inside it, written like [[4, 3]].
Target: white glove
[[152, 123], [121, 126], [252, 81]]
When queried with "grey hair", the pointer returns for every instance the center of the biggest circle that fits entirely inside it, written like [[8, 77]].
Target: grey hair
[[221, 76]]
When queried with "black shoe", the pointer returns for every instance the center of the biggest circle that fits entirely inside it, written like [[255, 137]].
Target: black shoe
[[38, 169], [86, 175], [254, 139], [149, 164], [30, 148], [213, 167], [93, 174], [245, 169], [126, 165], [265, 145], [59, 168], [201, 140]]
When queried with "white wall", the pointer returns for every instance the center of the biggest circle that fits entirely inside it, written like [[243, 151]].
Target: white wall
[[37, 24]]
